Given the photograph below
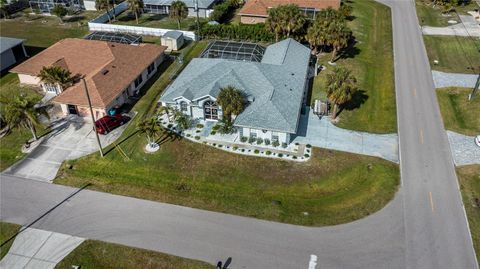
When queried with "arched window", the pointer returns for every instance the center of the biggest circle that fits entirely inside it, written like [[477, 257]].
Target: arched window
[[210, 109], [183, 106]]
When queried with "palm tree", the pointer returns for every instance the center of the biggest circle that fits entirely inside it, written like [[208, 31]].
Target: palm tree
[[151, 128], [317, 36], [21, 111], [56, 75], [341, 86], [3, 8], [60, 11], [231, 100], [178, 11], [103, 5], [285, 19], [167, 110], [136, 7], [338, 35], [182, 120]]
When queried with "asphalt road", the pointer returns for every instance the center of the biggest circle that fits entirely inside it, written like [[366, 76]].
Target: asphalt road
[[423, 227]]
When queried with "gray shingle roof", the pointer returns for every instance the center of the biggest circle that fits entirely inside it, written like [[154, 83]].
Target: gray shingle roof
[[276, 83], [173, 34], [189, 3], [8, 43]]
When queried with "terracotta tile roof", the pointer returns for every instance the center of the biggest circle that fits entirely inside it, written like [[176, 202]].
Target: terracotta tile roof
[[260, 7], [108, 67]]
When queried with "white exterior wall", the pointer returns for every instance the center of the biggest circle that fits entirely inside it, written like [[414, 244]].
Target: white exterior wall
[[28, 79], [89, 5], [282, 137], [197, 112]]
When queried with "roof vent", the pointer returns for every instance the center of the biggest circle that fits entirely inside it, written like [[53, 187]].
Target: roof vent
[[104, 72]]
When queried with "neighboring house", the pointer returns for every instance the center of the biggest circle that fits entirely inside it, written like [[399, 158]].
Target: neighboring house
[[274, 88], [173, 40], [12, 51], [205, 7], [256, 11], [45, 6], [113, 72]]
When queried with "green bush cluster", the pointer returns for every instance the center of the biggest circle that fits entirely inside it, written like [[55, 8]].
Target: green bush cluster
[[222, 11], [244, 139], [199, 126], [256, 151], [268, 152], [243, 32], [259, 141]]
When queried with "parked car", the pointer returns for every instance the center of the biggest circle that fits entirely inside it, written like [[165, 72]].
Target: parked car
[[108, 123]]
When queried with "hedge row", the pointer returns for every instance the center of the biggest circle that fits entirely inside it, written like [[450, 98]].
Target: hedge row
[[245, 32]]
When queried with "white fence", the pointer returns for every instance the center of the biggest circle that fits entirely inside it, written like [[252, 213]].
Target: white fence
[[103, 27], [100, 24]]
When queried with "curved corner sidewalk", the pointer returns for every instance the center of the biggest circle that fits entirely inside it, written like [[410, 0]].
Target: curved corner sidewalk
[[322, 133], [464, 150]]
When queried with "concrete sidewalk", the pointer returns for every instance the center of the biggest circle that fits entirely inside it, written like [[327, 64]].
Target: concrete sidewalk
[[322, 133], [464, 150], [39, 249]]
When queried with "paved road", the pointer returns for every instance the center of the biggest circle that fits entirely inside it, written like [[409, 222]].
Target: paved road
[[423, 227], [374, 242], [436, 229]]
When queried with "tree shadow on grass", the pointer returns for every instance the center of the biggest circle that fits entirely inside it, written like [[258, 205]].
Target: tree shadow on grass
[[74, 19], [359, 98], [351, 51]]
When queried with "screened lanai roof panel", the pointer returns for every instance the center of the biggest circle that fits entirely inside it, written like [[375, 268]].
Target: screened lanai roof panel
[[241, 51], [189, 3], [115, 37]]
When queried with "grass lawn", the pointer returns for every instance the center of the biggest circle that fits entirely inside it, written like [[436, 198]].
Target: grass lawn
[[93, 254], [459, 114], [7, 230], [157, 21], [469, 178], [40, 32], [11, 144], [371, 61], [455, 54], [432, 16]]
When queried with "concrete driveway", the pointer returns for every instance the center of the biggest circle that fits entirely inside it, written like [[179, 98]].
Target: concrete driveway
[[70, 139], [322, 133]]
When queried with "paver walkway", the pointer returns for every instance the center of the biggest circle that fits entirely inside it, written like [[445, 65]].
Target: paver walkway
[[322, 133], [442, 79], [39, 249], [464, 149], [469, 27], [70, 139]]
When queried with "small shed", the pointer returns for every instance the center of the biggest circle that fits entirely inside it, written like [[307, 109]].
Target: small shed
[[173, 40], [12, 51]]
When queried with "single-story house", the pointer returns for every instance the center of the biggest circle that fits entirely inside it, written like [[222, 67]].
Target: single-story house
[[256, 11], [113, 72], [173, 40], [205, 7], [45, 6], [11, 51], [274, 89]]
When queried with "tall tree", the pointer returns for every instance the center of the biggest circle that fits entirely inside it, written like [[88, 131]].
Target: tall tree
[[341, 86], [285, 20], [4, 9], [103, 5], [231, 100], [338, 35], [182, 120], [56, 75], [21, 111], [151, 128], [178, 11], [317, 36], [135, 6], [60, 11]]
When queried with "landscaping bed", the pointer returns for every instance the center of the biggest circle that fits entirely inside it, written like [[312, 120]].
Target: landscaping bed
[[454, 54], [373, 108], [469, 178], [96, 254], [459, 114]]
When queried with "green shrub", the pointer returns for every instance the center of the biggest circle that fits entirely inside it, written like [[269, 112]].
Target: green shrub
[[220, 146], [284, 145], [199, 126], [294, 157], [243, 150], [241, 32], [308, 146], [214, 144], [306, 156], [280, 155], [275, 143], [169, 125], [197, 137], [188, 135], [213, 132], [244, 139], [268, 152], [251, 140], [235, 147], [256, 151], [216, 127], [259, 141], [267, 141], [197, 131]]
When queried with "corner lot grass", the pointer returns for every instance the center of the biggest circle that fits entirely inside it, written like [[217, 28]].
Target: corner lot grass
[[459, 114], [93, 254], [371, 60], [7, 230], [432, 16], [455, 54], [332, 188], [469, 178]]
